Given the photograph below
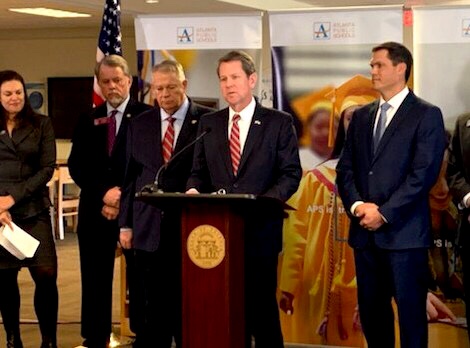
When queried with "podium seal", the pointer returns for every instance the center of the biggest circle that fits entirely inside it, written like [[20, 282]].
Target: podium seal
[[206, 246]]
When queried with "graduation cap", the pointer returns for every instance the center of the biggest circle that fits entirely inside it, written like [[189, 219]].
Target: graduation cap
[[358, 90], [306, 105]]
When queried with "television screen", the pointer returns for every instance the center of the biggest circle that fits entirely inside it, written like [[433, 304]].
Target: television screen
[[70, 97]]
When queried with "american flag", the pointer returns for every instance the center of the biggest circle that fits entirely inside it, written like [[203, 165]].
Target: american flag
[[109, 41]]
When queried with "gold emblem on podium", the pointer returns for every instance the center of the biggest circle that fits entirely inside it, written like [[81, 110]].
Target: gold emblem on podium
[[206, 246]]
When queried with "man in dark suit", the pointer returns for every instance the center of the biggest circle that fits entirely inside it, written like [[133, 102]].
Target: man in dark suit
[[458, 175], [97, 163], [250, 149], [153, 138], [390, 161]]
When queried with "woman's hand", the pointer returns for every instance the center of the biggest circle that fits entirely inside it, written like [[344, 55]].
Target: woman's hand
[[5, 218], [6, 202]]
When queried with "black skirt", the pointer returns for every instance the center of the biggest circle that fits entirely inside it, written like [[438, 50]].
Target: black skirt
[[39, 227]]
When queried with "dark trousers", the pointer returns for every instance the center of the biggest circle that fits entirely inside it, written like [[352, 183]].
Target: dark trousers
[[160, 274], [261, 307], [97, 245], [399, 274], [46, 300], [135, 293], [464, 251]]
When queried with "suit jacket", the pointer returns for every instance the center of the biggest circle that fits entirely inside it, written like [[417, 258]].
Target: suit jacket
[[398, 177], [144, 159], [269, 166], [92, 169], [458, 172], [27, 162]]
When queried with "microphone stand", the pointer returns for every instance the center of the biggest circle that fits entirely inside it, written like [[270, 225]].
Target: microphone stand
[[155, 186]]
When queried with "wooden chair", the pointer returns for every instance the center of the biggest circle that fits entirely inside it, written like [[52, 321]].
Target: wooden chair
[[67, 200]]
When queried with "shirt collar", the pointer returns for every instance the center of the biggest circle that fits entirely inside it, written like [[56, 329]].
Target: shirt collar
[[397, 99], [121, 108], [245, 114], [180, 114]]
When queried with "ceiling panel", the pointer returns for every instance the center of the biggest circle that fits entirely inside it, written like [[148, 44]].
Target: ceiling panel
[[131, 8]]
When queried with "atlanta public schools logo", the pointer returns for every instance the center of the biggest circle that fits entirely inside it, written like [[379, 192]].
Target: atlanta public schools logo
[[321, 30], [185, 35], [466, 27]]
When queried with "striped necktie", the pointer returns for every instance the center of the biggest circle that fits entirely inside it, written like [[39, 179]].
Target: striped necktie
[[235, 144], [168, 139]]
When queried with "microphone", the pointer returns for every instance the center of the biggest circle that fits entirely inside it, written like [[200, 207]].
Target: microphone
[[155, 186]]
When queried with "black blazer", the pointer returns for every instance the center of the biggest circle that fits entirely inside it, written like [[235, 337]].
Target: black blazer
[[398, 177], [144, 158], [27, 162], [269, 166], [92, 169]]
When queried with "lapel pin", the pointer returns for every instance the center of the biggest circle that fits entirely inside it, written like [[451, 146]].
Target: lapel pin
[[258, 122], [193, 121], [128, 115], [2, 132], [468, 123]]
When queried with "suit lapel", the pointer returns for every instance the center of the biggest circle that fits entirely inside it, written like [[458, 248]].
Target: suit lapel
[[122, 131], [5, 138], [20, 134], [222, 123], [154, 132], [371, 122], [254, 133], [101, 129], [190, 122], [400, 115]]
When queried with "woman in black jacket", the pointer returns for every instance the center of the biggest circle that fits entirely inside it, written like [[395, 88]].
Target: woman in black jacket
[[27, 161]]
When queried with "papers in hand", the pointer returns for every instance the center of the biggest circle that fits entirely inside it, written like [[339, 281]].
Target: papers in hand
[[18, 242]]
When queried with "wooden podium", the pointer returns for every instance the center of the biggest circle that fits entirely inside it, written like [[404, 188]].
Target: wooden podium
[[212, 243]]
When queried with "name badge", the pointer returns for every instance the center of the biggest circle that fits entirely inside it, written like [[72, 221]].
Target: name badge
[[101, 120]]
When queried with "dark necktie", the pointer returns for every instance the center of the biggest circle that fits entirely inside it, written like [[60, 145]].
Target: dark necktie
[[168, 140], [381, 124], [235, 144], [111, 131]]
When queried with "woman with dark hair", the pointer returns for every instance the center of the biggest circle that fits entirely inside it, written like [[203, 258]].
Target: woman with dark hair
[[27, 161]]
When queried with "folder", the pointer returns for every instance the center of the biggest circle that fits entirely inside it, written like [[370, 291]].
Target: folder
[[18, 242]]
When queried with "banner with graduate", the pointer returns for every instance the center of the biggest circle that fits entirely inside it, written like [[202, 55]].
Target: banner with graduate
[[321, 75], [441, 37], [441, 50]]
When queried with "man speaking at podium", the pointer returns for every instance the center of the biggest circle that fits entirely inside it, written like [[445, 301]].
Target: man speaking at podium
[[250, 149], [156, 152]]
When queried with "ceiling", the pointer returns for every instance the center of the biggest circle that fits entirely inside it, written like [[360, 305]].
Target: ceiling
[[131, 8]]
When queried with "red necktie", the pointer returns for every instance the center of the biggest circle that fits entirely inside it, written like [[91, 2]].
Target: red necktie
[[235, 144], [168, 139], [111, 131]]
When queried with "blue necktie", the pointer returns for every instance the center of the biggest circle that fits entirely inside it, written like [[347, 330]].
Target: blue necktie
[[379, 131]]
